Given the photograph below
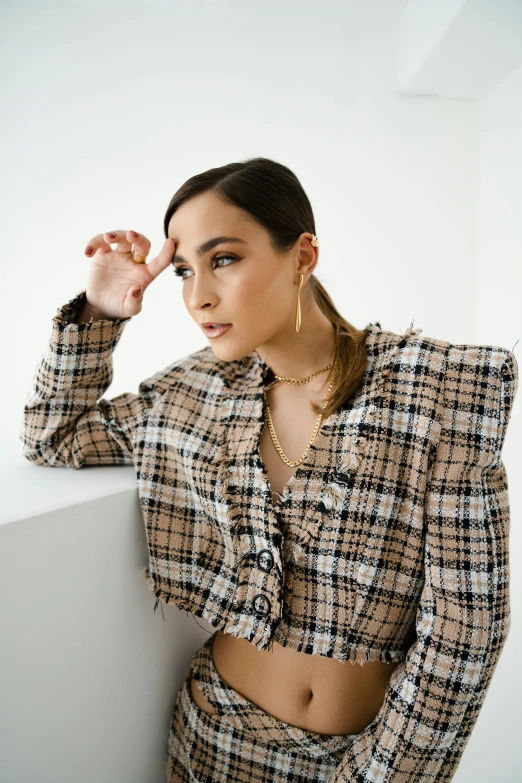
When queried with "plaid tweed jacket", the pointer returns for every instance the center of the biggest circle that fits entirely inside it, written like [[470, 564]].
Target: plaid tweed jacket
[[390, 542]]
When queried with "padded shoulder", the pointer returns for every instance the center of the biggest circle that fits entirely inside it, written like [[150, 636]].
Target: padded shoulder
[[480, 385]]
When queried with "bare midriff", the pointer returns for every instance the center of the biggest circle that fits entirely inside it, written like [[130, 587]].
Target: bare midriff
[[309, 691]]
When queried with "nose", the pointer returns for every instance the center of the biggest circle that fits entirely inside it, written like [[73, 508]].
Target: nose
[[201, 295]]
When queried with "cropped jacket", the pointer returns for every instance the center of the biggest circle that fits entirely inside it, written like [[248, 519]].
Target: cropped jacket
[[389, 543]]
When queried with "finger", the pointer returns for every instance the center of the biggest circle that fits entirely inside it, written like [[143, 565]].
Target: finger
[[118, 238], [140, 242], [133, 301], [163, 259], [97, 243], [123, 239]]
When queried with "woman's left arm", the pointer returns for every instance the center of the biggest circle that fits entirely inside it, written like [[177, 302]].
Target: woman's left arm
[[434, 696]]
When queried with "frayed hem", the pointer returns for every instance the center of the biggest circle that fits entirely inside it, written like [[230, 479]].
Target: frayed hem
[[365, 655]]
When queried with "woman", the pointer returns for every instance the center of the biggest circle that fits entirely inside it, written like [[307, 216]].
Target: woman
[[322, 495]]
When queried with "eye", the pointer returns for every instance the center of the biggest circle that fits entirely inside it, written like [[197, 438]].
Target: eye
[[178, 270]]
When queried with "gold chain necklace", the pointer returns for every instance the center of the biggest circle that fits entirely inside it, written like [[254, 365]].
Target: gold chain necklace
[[268, 418]]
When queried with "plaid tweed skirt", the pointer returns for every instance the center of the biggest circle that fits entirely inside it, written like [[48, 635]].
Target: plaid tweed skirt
[[241, 742]]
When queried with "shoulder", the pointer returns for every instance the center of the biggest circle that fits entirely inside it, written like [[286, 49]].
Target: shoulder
[[480, 385], [474, 373], [473, 388], [457, 361], [472, 385], [407, 368]]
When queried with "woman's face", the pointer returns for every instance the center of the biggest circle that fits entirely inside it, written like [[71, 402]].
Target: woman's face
[[244, 282]]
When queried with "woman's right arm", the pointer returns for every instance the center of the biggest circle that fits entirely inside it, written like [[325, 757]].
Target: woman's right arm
[[66, 421]]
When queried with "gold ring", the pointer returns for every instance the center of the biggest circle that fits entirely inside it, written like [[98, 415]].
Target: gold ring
[[138, 258]]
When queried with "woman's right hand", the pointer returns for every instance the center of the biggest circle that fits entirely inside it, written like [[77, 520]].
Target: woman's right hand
[[114, 278]]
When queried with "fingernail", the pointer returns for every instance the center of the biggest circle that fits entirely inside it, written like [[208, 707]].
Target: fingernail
[[112, 234], [88, 251], [138, 292], [134, 234]]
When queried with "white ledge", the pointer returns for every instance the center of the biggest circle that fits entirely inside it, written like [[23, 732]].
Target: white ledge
[[89, 672], [32, 490]]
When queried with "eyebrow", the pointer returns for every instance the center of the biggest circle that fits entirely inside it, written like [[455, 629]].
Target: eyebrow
[[207, 246]]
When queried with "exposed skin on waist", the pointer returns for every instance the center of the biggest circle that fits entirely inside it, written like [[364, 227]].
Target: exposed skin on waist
[[309, 691]]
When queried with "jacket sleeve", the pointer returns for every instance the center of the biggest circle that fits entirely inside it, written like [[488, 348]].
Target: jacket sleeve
[[65, 423], [463, 616]]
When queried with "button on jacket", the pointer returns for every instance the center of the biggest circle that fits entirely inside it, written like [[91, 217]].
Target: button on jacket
[[389, 543]]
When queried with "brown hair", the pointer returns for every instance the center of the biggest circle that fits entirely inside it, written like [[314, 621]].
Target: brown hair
[[274, 197]]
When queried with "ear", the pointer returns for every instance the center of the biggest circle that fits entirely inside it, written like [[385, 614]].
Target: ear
[[307, 254]]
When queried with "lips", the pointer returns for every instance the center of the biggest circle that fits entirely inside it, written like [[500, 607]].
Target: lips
[[216, 331]]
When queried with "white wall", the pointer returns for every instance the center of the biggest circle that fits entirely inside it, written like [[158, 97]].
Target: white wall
[[108, 108], [498, 320], [111, 110], [498, 311]]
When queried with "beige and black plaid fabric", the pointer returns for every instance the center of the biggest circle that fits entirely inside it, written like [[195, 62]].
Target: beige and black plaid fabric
[[241, 742], [389, 543]]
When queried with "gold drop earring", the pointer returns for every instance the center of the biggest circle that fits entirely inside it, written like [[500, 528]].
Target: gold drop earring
[[315, 243], [298, 308]]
